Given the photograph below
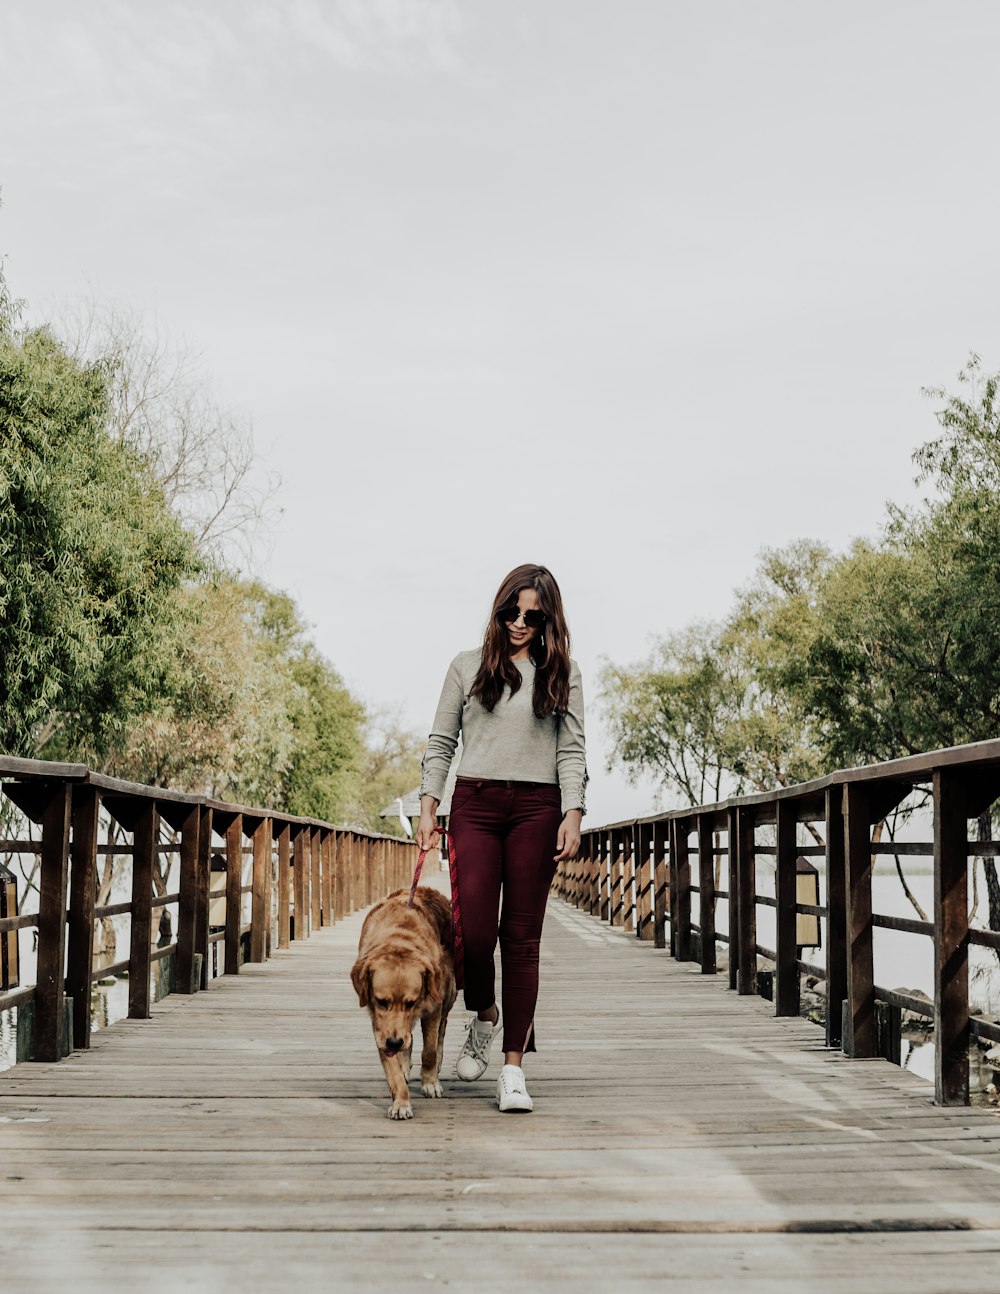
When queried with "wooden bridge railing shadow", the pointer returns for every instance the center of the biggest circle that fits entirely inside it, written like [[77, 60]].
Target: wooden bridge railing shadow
[[641, 875], [304, 873]]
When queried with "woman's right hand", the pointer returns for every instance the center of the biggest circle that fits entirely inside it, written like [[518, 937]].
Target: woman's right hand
[[427, 827]]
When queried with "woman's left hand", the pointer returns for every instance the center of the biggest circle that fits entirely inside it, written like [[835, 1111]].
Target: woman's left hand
[[568, 839]]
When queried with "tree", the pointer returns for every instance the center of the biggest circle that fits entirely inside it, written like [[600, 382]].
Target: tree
[[721, 708], [390, 769], [772, 738], [219, 723], [908, 656], [671, 715], [327, 725], [91, 560], [159, 403]]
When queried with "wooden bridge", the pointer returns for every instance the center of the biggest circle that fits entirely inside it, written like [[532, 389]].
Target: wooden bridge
[[684, 1134]]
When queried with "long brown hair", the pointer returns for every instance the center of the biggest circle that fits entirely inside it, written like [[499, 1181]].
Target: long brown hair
[[549, 649]]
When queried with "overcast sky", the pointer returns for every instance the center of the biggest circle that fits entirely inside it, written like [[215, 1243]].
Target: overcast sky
[[631, 288]]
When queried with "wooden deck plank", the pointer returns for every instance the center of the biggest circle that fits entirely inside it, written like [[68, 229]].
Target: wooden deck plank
[[681, 1134]]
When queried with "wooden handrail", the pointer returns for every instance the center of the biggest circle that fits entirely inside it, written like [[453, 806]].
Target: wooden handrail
[[322, 871], [643, 866]]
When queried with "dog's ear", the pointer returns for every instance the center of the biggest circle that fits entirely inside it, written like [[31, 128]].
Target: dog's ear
[[434, 983], [361, 979]]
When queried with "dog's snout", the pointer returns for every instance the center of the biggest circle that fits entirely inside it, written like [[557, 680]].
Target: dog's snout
[[392, 1045]]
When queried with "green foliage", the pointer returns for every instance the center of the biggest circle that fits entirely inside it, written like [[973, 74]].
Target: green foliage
[[327, 722], [390, 769], [121, 644], [91, 559], [773, 740], [909, 654], [249, 710], [719, 709], [824, 662], [670, 716]]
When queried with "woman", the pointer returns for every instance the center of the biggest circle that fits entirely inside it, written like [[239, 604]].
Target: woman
[[516, 810]]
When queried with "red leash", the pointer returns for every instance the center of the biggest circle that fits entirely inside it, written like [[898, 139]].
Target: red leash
[[416, 876], [458, 945]]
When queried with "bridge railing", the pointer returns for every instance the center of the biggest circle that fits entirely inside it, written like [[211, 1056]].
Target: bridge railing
[[645, 875], [303, 874]]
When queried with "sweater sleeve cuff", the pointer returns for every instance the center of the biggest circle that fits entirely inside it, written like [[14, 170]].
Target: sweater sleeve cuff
[[573, 799], [433, 786]]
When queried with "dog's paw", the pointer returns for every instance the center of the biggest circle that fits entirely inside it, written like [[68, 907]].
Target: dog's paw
[[400, 1111], [433, 1088]]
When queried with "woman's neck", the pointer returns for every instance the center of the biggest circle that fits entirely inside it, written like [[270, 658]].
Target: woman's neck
[[520, 656]]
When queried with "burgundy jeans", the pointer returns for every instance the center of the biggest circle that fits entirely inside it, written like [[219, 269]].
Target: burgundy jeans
[[505, 839]]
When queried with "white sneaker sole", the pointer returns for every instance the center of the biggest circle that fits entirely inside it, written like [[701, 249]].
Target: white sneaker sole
[[515, 1105]]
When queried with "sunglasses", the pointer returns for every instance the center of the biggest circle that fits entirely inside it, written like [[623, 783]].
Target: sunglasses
[[532, 619]]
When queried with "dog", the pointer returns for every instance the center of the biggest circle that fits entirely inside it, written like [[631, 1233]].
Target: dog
[[404, 972]]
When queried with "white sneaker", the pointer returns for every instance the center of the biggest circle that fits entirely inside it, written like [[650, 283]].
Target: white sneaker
[[512, 1095], [474, 1058]]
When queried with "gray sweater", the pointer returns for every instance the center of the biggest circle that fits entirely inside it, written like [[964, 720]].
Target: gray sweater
[[511, 742]]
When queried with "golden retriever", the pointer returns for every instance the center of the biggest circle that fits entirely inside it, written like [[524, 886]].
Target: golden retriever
[[405, 972]]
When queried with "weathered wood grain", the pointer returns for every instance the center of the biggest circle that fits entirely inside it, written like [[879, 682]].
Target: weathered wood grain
[[682, 1136]]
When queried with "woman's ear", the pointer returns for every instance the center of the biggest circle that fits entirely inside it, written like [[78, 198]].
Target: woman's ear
[[361, 979]]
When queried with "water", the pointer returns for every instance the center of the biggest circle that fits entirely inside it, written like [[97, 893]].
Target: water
[[902, 961]]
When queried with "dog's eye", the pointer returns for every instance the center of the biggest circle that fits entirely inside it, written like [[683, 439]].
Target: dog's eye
[[410, 1005], [383, 1002]]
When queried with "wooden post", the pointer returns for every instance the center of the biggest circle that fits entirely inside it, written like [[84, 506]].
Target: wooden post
[[204, 883], [603, 904], [786, 972], [672, 884], [144, 839], [733, 889], [646, 881], [746, 852], [356, 852], [83, 894], [630, 879], [860, 1037], [260, 899], [836, 917], [270, 890], [613, 876], [341, 875], [187, 907], [54, 876], [951, 948], [284, 885], [682, 866], [326, 857], [316, 880], [300, 868], [364, 848], [570, 872], [706, 896], [588, 897], [234, 896], [660, 884]]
